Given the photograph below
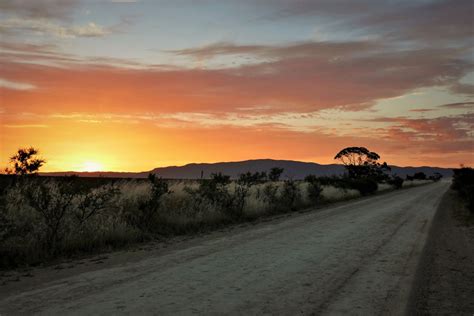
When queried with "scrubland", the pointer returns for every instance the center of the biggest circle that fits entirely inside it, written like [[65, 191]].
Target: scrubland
[[46, 218]]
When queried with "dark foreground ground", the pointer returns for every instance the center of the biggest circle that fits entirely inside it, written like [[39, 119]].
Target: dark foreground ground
[[445, 278]]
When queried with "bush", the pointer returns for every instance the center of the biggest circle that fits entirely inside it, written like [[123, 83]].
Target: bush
[[396, 182], [146, 217], [463, 183], [46, 218], [270, 195], [52, 202], [365, 186], [314, 188], [419, 176], [275, 174], [290, 195]]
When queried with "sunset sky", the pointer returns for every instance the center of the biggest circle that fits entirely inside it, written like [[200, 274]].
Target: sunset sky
[[133, 85]]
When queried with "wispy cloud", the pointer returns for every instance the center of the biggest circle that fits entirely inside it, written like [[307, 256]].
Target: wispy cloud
[[7, 84], [313, 49], [421, 110], [459, 105], [48, 27]]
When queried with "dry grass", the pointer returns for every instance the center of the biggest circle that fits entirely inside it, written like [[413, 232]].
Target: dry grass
[[114, 214], [413, 183], [333, 194], [384, 187]]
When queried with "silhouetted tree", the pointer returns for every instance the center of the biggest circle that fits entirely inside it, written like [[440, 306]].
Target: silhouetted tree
[[25, 161], [275, 174], [361, 162], [357, 156]]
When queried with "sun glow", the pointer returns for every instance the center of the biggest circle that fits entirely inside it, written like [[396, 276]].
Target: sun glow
[[91, 166]]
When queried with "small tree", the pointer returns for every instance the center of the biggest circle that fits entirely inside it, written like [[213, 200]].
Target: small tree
[[25, 161], [275, 174], [357, 156], [361, 162]]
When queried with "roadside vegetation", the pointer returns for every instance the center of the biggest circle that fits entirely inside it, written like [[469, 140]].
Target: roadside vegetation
[[463, 184], [42, 218]]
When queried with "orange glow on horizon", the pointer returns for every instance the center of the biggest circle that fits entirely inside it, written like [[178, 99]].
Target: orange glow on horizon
[[91, 166]]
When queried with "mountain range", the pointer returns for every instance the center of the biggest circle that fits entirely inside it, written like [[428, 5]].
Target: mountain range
[[292, 169]]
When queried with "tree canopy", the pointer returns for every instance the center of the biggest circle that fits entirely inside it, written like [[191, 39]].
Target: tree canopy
[[25, 161], [357, 156], [361, 162]]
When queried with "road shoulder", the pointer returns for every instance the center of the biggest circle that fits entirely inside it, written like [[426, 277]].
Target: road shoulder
[[444, 284]]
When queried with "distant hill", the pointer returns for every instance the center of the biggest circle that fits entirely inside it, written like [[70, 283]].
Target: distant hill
[[293, 169]]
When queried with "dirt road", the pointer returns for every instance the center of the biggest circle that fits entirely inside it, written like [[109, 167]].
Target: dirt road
[[354, 258]]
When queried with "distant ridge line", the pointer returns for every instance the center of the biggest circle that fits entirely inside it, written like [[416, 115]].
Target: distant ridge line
[[293, 169]]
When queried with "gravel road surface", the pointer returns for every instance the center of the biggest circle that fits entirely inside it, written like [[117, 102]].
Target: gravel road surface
[[356, 258]]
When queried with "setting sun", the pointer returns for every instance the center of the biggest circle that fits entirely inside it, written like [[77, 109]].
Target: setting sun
[[91, 166], [239, 156]]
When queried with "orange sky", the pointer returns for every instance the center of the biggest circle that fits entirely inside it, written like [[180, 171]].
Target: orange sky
[[92, 86]]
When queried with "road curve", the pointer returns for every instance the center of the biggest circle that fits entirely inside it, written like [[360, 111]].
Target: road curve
[[355, 258]]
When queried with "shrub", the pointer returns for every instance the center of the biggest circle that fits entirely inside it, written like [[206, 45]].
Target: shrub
[[51, 201], [270, 195], [396, 181], [419, 176], [91, 204], [249, 178], [289, 195], [365, 186], [275, 174], [314, 188], [145, 217], [463, 183], [333, 180], [214, 193], [242, 188]]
